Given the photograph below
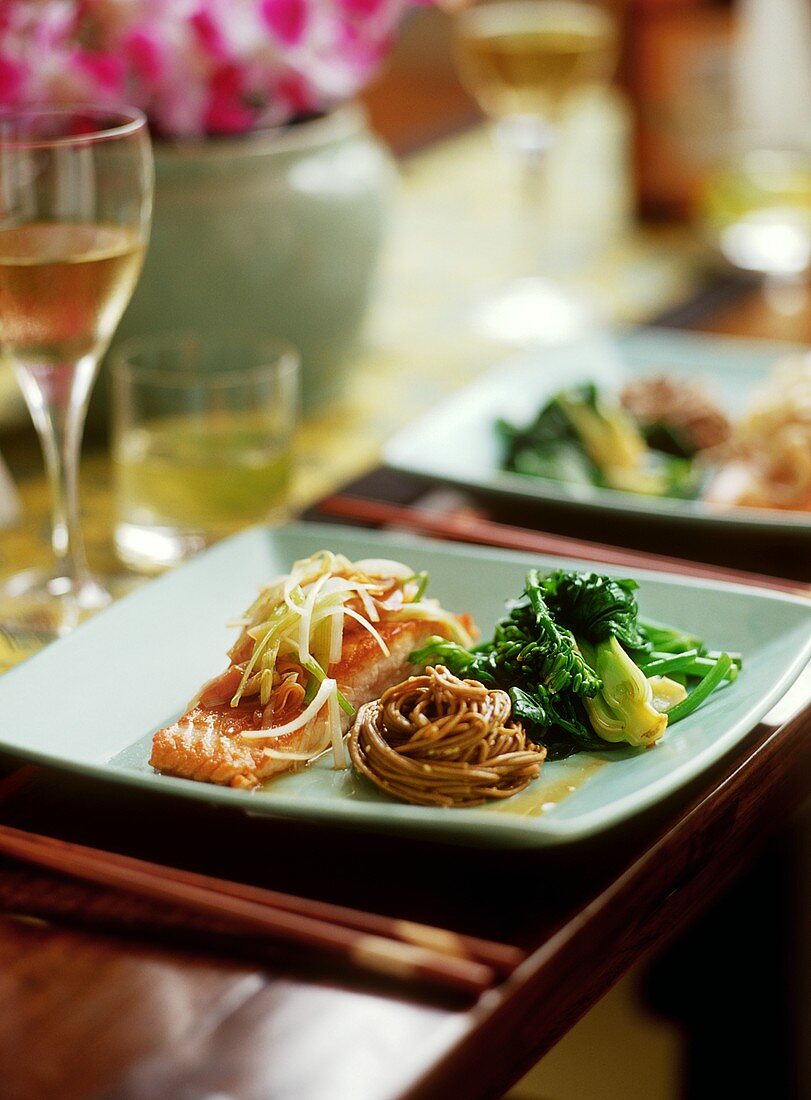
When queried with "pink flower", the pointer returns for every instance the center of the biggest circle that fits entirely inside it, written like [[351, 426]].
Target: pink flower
[[286, 19], [195, 66], [361, 8], [12, 79], [208, 32], [227, 112], [298, 97], [106, 71], [359, 51], [145, 53]]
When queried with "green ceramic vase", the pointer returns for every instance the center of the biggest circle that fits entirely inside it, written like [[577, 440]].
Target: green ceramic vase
[[276, 232]]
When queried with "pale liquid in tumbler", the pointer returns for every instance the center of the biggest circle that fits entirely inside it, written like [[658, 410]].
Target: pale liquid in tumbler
[[185, 481], [525, 57], [758, 207]]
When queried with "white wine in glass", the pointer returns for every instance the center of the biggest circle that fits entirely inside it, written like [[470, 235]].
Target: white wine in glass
[[522, 60], [75, 211], [63, 287], [525, 57]]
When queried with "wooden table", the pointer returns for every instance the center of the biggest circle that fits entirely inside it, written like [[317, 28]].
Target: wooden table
[[90, 1014]]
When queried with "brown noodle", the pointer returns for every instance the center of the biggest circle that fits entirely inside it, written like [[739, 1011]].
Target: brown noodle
[[436, 740]]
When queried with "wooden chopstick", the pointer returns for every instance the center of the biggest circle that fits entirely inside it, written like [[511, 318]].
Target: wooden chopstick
[[375, 943], [501, 957], [463, 527]]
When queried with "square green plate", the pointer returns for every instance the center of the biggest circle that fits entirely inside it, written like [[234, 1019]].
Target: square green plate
[[456, 441], [91, 701]]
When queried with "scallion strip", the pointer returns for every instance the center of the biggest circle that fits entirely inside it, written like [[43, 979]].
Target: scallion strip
[[720, 671], [313, 684], [690, 663], [714, 654], [668, 639], [317, 676], [702, 665], [422, 584], [663, 665]]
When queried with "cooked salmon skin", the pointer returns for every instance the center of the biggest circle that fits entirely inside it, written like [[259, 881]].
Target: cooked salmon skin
[[206, 743]]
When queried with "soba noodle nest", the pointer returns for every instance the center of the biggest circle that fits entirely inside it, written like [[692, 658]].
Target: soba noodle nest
[[436, 740]]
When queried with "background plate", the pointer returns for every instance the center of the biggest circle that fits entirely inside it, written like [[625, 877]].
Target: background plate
[[91, 701], [456, 441]]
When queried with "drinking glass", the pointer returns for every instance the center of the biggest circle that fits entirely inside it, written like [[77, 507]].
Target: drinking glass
[[756, 208], [75, 210], [522, 60], [202, 441]]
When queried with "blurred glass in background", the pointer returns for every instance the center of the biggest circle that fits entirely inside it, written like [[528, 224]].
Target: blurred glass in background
[[756, 200], [525, 62], [757, 207]]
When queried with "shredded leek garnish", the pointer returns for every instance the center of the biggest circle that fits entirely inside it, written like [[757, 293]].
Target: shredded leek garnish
[[294, 630], [328, 688], [336, 736], [421, 580], [317, 676]]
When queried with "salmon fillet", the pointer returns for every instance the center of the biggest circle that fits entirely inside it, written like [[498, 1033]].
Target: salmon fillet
[[205, 743]]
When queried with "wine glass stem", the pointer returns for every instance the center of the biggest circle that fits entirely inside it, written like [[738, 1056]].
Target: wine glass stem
[[57, 396], [535, 214], [528, 138]]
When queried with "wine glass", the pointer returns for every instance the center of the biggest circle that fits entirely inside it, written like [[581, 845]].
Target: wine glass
[[75, 209], [522, 60]]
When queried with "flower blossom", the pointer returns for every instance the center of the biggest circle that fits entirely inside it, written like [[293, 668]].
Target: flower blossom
[[196, 67]]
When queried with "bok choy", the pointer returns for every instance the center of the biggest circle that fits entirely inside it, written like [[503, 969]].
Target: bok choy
[[582, 669]]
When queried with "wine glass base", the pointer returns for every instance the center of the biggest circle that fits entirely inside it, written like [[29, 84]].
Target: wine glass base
[[45, 605], [533, 311]]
